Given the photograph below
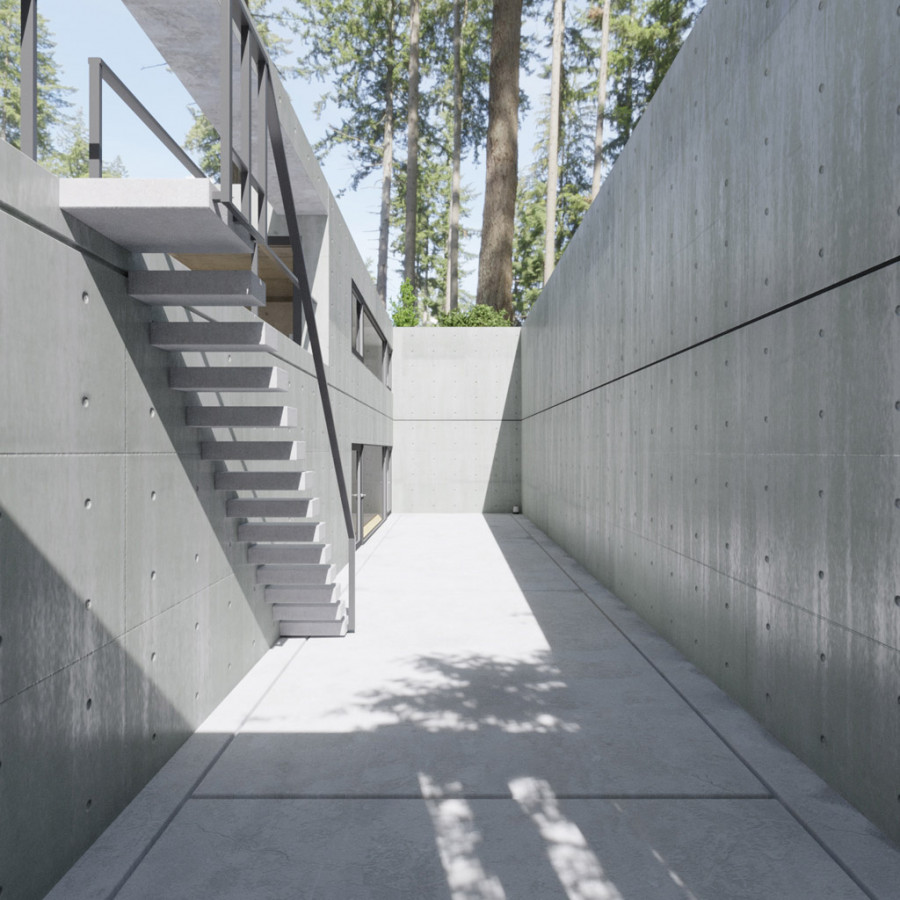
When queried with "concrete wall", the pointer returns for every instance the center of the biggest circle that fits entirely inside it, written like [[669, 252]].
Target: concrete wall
[[456, 419], [711, 378], [127, 609]]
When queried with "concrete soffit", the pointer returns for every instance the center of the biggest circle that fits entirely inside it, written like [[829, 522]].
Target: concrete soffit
[[187, 36]]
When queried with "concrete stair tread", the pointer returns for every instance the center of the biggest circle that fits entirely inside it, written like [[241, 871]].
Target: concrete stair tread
[[271, 508], [250, 450], [314, 629], [263, 481], [295, 573], [240, 416], [197, 288], [289, 554], [320, 612], [225, 379], [303, 593], [279, 532], [235, 337]]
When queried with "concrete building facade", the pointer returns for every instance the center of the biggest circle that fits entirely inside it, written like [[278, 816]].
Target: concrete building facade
[[702, 409]]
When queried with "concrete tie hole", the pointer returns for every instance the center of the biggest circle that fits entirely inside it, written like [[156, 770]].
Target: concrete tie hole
[[89, 703], [85, 297]]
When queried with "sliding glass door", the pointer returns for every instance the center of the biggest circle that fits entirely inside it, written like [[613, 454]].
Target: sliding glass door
[[371, 480]]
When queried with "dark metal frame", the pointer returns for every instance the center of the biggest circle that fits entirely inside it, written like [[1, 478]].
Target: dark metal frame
[[28, 136], [244, 166], [361, 315], [100, 72]]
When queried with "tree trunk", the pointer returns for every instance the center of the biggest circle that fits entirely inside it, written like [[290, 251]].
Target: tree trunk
[[501, 159], [553, 149], [451, 301], [601, 101], [412, 158], [387, 172]]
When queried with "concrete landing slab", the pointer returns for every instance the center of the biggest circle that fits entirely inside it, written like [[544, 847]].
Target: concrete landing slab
[[500, 726], [152, 215]]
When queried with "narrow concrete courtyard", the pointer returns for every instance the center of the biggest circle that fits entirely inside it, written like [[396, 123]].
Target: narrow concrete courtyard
[[499, 726]]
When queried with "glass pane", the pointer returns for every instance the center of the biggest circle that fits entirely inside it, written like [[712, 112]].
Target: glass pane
[[373, 347], [355, 315], [388, 485], [372, 489], [354, 489]]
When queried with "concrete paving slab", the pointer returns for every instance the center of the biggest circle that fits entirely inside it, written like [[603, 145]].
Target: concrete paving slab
[[532, 847], [478, 737]]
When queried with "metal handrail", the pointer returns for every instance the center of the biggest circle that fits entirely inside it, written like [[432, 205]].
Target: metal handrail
[[28, 136], [100, 72], [304, 312]]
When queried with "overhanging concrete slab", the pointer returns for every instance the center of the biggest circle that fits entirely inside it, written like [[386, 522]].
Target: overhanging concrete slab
[[151, 215], [174, 28]]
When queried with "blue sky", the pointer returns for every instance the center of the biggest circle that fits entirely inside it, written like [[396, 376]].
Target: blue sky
[[105, 28]]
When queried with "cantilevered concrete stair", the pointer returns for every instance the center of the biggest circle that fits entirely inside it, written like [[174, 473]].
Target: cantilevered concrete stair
[[284, 538]]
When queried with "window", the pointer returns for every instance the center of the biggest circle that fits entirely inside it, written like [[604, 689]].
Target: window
[[356, 314], [371, 492], [367, 341]]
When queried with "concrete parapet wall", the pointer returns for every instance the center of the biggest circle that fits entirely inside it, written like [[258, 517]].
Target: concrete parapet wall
[[710, 378], [456, 419]]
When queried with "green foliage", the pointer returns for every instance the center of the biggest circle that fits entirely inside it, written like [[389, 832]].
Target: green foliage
[[356, 48], [202, 139], [479, 316], [51, 101], [645, 37], [405, 312], [71, 159], [203, 142], [577, 112]]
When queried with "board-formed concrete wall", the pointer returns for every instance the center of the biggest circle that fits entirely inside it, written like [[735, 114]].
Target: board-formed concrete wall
[[711, 378], [127, 608], [456, 420]]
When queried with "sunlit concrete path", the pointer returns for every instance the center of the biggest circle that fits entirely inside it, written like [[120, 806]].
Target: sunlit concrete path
[[499, 726]]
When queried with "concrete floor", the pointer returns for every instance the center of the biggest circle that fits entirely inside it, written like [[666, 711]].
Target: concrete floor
[[499, 726]]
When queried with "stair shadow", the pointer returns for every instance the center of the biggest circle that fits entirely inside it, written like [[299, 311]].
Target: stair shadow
[[504, 487], [151, 367], [83, 725]]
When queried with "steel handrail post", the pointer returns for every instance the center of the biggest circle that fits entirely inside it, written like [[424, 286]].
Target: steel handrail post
[[95, 118], [28, 61], [100, 72]]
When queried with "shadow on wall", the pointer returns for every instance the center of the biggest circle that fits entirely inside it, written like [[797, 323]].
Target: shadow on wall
[[167, 406], [77, 739], [503, 490]]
